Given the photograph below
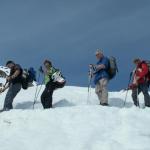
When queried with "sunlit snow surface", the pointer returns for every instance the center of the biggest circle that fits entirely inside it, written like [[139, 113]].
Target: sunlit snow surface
[[74, 123]]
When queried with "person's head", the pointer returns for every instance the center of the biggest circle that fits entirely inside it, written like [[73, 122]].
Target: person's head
[[47, 64], [137, 61], [10, 64], [99, 54]]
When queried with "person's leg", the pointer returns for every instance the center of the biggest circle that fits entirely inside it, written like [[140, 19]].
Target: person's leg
[[11, 94], [98, 91], [58, 85], [104, 90], [43, 96], [46, 97], [135, 93], [144, 89]]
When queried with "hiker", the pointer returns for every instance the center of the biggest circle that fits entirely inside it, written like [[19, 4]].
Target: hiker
[[51, 84], [14, 84], [140, 82], [101, 77]]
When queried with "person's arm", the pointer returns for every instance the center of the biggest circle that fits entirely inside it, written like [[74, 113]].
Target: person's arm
[[99, 67], [16, 74], [103, 65]]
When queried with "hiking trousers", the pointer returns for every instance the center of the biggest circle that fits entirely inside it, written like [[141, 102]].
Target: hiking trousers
[[13, 90], [102, 91], [47, 95], [144, 89]]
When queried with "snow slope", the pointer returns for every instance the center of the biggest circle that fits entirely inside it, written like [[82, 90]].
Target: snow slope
[[73, 124]]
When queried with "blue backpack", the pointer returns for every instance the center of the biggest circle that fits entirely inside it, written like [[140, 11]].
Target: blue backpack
[[28, 77]]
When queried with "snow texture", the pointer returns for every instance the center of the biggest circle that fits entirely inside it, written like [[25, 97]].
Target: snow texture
[[74, 123]]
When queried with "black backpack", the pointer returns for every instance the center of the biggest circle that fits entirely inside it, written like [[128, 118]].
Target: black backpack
[[113, 68], [28, 76], [148, 63]]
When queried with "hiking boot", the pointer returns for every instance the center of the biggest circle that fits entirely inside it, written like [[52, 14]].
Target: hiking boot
[[4, 109], [104, 104], [136, 104]]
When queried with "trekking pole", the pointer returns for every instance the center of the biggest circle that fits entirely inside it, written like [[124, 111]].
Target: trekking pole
[[127, 89], [138, 101], [37, 92], [89, 85]]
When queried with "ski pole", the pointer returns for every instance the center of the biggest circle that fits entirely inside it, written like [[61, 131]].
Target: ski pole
[[127, 89], [138, 101], [89, 85], [36, 91]]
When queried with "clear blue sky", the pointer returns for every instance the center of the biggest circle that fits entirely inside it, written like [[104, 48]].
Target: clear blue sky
[[69, 31]]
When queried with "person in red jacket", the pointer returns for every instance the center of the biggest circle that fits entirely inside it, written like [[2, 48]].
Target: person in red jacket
[[140, 82]]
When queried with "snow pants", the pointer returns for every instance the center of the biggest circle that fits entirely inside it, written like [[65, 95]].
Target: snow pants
[[47, 95], [144, 89], [102, 91]]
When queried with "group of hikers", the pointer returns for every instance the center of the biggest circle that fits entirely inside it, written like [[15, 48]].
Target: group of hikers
[[101, 72], [52, 78], [140, 77]]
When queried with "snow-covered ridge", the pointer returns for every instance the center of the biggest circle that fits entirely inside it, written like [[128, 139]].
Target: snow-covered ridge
[[74, 123]]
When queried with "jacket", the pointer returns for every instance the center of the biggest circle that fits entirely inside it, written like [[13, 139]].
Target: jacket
[[141, 73], [103, 73]]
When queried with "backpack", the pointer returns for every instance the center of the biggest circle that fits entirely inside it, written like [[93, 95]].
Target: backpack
[[4, 72], [113, 69], [58, 77], [28, 76], [148, 64]]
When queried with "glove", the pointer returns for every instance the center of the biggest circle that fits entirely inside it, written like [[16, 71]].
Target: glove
[[132, 86], [8, 79]]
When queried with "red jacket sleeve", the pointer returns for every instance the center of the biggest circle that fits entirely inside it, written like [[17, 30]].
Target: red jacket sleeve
[[144, 71]]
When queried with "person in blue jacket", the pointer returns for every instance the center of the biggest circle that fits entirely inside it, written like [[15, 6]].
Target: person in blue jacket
[[101, 77]]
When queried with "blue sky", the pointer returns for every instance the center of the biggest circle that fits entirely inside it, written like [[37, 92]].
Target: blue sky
[[69, 31]]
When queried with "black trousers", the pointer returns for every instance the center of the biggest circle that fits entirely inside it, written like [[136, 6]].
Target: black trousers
[[144, 89], [47, 95]]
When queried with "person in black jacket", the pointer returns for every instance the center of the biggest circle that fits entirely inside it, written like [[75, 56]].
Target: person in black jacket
[[14, 84], [50, 84]]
